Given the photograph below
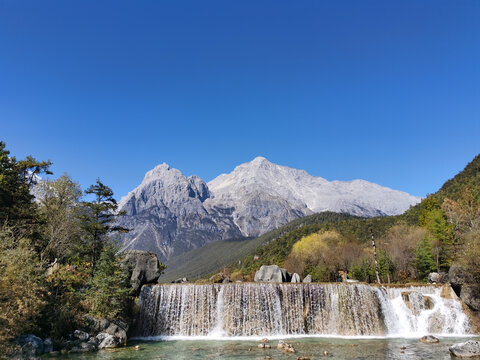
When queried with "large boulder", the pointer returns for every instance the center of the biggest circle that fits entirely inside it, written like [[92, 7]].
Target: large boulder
[[429, 339], [119, 330], [437, 278], [110, 341], [296, 278], [468, 349], [144, 266], [272, 273], [457, 276], [470, 294]]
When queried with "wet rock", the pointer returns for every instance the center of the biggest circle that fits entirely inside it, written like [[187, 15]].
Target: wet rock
[[470, 295], [264, 340], [110, 341], [307, 279], [272, 273], [437, 277], [180, 281], [81, 335], [32, 346], [417, 302], [144, 266], [428, 339], [79, 346], [448, 293], [437, 323], [118, 329], [285, 347], [295, 278], [468, 349]]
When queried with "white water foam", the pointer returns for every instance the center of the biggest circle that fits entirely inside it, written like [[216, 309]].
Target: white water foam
[[256, 310]]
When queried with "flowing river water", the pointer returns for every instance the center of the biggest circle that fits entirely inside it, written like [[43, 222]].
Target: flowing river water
[[348, 321]]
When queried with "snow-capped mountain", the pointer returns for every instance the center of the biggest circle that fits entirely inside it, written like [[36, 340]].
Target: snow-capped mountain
[[170, 213]]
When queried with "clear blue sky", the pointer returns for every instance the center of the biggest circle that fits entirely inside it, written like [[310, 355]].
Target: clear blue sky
[[387, 91]]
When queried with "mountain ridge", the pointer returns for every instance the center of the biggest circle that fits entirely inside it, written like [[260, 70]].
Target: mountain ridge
[[171, 213]]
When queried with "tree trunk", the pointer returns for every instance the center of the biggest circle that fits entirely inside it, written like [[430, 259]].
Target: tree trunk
[[375, 255]]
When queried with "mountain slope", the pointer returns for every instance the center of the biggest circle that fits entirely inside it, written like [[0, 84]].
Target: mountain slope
[[211, 257], [276, 251], [170, 214]]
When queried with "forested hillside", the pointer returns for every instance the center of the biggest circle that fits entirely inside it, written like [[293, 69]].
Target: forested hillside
[[207, 259], [428, 237]]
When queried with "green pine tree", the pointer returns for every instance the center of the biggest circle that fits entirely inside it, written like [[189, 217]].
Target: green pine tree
[[424, 258], [98, 220], [110, 290]]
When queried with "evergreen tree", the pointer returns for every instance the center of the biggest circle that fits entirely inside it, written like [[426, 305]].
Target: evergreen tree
[[110, 290], [17, 209], [424, 258], [98, 219]]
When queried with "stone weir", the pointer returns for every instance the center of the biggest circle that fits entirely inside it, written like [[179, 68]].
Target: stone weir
[[269, 309]]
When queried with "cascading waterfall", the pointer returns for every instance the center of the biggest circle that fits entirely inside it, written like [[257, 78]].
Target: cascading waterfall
[[269, 309]]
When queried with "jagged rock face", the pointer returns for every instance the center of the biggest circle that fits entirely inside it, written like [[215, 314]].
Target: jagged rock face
[[170, 213], [270, 193], [167, 214]]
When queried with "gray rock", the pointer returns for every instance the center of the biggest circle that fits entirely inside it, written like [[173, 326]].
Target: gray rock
[[307, 279], [101, 336], [145, 268], [119, 330], [80, 346], [470, 294], [437, 278], [169, 214], [81, 335], [47, 345], [32, 345], [180, 281], [457, 276], [470, 348], [97, 325], [272, 273], [429, 339], [110, 341], [295, 278]]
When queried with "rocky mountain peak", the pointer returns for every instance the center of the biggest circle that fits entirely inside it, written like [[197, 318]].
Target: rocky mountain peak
[[171, 213]]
